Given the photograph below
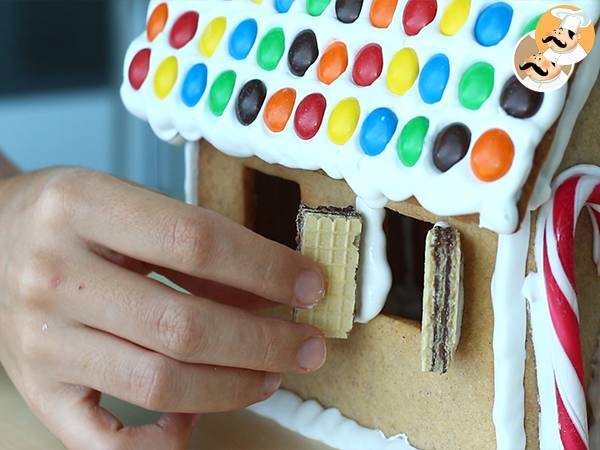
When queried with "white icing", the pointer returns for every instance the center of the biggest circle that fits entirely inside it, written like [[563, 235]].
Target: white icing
[[374, 179], [375, 275], [326, 425], [510, 328], [553, 366], [192, 159], [587, 74]]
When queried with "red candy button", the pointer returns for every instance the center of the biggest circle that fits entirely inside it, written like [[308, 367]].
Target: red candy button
[[158, 20], [309, 116], [184, 29], [382, 12], [368, 65], [417, 15], [139, 68]]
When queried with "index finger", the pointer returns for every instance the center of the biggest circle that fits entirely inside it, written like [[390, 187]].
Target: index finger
[[192, 240]]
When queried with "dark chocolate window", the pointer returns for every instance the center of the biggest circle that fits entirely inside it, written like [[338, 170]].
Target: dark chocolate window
[[49, 45]]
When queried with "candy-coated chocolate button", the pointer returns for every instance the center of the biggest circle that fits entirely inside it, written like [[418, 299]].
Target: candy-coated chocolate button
[[316, 7], [309, 116], [165, 77], [492, 155], [377, 131], [348, 11], [531, 25], [212, 35], [518, 101], [271, 48], [403, 71], [382, 12], [139, 68], [476, 85], [368, 65], [343, 120], [184, 29], [242, 39], [493, 24], [412, 140], [221, 92], [334, 62], [279, 109], [157, 21], [303, 52], [194, 85], [451, 146], [283, 6], [434, 79], [455, 17], [250, 101], [417, 15]]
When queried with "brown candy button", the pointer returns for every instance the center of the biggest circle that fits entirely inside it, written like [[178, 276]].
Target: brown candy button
[[518, 101], [303, 53], [451, 146]]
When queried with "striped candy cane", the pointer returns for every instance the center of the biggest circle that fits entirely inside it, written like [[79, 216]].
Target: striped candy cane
[[558, 220]]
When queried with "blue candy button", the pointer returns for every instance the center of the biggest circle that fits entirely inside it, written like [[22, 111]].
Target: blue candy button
[[434, 79], [243, 38], [283, 6], [493, 24], [377, 131], [194, 85]]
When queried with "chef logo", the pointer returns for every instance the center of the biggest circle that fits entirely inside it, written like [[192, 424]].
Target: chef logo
[[545, 58]]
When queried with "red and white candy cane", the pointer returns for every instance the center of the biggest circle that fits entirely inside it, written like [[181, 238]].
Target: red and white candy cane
[[559, 220]]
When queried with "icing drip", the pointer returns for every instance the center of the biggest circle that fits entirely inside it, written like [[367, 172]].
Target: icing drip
[[375, 275], [326, 425], [192, 156], [510, 327]]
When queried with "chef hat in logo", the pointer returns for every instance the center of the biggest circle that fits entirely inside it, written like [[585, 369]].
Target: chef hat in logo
[[571, 20]]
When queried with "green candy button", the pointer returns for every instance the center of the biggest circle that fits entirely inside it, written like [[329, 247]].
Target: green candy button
[[412, 139], [271, 48], [531, 25], [221, 92], [476, 85], [316, 7]]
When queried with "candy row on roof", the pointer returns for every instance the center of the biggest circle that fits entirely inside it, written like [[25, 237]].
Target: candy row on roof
[[491, 27], [378, 127], [404, 69]]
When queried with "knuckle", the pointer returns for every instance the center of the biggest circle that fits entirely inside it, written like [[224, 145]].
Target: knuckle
[[151, 382], [190, 239], [58, 193], [269, 349], [180, 332], [31, 343], [39, 275]]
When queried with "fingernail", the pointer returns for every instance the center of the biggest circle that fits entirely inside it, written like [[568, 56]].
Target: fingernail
[[312, 353], [309, 288], [272, 382]]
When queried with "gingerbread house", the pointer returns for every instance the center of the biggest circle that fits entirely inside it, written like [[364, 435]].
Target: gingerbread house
[[409, 111]]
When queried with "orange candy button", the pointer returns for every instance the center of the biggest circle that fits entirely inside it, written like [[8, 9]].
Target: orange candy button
[[333, 63], [157, 21], [279, 109], [492, 155], [382, 12]]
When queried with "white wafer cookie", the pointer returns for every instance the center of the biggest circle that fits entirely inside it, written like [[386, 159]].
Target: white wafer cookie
[[331, 237]]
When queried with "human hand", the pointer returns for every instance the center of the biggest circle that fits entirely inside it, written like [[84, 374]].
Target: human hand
[[78, 316]]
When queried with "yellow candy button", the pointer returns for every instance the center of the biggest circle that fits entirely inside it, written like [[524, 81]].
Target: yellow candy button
[[403, 71], [166, 77], [455, 17], [212, 35], [343, 120]]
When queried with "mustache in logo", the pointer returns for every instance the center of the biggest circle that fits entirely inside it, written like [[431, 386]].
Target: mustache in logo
[[558, 42], [535, 67]]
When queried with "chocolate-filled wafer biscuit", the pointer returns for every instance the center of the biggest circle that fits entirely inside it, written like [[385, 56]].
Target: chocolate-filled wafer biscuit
[[442, 298], [331, 237]]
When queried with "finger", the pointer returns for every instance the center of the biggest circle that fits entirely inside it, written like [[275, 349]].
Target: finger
[[111, 365], [79, 421], [186, 328], [192, 240], [216, 291]]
